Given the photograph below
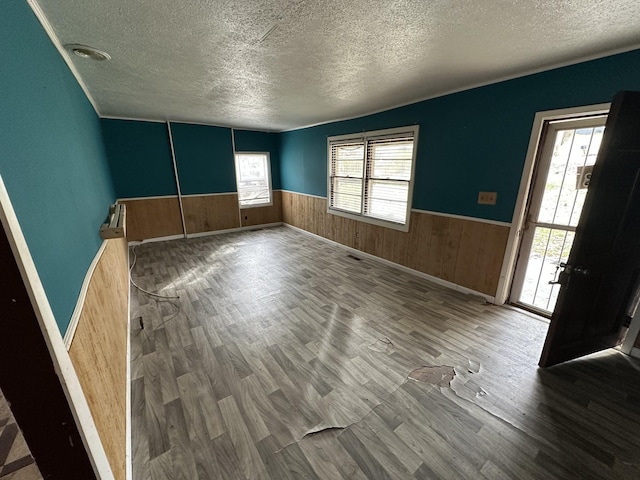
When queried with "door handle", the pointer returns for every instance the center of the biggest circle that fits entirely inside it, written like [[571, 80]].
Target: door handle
[[568, 270]]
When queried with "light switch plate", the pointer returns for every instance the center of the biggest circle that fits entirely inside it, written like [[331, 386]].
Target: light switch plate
[[487, 198]]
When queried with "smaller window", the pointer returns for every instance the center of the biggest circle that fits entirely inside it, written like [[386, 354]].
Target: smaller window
[[253, 177]]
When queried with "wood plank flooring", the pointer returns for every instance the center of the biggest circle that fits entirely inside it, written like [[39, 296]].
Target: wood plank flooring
[[277, 335], [16, 462]]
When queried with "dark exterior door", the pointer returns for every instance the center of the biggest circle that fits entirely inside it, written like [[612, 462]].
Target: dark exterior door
[[30, 383], [600, 280]]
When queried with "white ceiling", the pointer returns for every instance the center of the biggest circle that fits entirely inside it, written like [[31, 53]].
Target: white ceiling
[[282, 64]]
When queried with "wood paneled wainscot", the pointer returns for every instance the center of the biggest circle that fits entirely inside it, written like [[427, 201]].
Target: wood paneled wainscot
[[99, 350], [152, 217], [155, 217], [263, 215], [463, 251], [208, 213]]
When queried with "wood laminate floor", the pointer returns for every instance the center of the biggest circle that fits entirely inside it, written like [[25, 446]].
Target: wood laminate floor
[[16, 462], [279, 334]]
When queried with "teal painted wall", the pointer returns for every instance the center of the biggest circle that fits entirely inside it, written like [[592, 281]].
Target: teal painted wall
[[204, 157], [252, 141], [139, 158], [52, 158], [470, 141]]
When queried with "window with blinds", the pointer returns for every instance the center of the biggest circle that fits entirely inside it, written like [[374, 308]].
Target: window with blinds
[[347, 173], [371, 174], [253, 178]]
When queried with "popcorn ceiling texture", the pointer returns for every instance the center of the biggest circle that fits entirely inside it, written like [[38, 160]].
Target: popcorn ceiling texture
[[276, 64]]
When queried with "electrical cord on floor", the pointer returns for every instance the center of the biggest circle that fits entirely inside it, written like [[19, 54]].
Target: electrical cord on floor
[[147, 292], [160, 298]]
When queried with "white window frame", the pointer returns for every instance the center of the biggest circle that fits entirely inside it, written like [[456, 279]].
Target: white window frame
[[364, 136], [235, 160]]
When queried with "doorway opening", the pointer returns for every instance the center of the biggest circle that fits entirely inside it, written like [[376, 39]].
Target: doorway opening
[[567, 151]]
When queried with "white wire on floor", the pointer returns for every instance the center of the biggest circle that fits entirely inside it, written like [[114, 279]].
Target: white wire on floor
[[161, 298], [135, 259]]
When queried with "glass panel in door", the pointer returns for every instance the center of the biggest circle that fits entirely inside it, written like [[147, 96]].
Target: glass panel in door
[[564, 170]]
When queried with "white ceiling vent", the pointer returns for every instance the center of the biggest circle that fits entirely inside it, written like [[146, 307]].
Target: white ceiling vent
[[88, 52]]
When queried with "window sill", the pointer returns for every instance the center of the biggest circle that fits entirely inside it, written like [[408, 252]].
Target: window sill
[[258, 205], [371, 220]]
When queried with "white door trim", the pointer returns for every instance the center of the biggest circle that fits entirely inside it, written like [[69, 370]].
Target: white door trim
[[517, 222], [59, 355], [534, 203], [632, 334]]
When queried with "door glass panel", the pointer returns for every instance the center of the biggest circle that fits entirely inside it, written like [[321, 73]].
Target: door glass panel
[[564, 195], [570, 154], [589, 161], [550, 248]]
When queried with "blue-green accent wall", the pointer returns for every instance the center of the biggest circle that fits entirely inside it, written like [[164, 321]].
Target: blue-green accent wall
[[470, 141], [139, 157], [204, 157], [52, 158], [252, 141]]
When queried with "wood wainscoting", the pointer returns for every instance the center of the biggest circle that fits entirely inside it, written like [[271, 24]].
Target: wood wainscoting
[[208, 213], [263, 215], [99, 351], [158, 217], [152, 217], [466, 252]]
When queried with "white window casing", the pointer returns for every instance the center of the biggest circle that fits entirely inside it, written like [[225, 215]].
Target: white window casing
[[253, 179], [371, 176]]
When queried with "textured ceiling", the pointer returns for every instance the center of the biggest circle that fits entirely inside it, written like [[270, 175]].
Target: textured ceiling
[[278, 64]]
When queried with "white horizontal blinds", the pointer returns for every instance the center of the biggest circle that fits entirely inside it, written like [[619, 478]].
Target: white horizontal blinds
[[347, 170], [252, 172], [389, 166]]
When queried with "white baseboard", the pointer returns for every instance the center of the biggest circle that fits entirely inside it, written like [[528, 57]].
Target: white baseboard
[[77, 311], [426, 276], [231, 230], [206, 234], [156, 239], [635, 352]]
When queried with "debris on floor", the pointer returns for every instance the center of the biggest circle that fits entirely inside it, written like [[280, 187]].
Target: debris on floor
[[440, 376], [474, 367], [382, 345], [323, 429]]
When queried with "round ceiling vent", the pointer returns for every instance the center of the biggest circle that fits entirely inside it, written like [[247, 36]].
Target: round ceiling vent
[[88, 52]]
